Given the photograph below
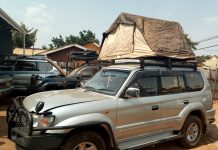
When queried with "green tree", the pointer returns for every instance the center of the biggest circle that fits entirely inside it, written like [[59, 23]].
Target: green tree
[[83, 38], [44, 47], [30, 37], [191, 43], [87, 37], [58, 41]]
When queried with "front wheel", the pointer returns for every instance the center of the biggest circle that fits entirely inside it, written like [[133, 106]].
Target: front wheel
[[192, 131], [87, 140]]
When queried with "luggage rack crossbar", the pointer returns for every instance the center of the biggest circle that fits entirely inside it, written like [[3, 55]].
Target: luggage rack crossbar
[[159, 61]]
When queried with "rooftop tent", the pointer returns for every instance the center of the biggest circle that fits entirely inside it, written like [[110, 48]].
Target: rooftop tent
[[132, 36]]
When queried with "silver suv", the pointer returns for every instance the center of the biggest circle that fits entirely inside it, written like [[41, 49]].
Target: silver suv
[[125, 106]]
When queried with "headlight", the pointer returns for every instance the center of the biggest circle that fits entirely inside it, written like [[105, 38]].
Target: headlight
[[42, 121]]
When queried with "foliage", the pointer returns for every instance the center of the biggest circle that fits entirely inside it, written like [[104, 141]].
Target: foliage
[[201, 59], [83, 38], [44, 47], [30, 37], [191, 43]]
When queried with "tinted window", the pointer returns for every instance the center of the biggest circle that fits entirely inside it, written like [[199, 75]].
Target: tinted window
[[172, 84], [181, 83], [88, 71], [194, 81], [146, 85], [26, 66], [7, 65], [44, 66]]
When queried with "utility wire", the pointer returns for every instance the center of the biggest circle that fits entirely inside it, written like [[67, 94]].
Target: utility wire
[[208, 39], [206, 47]]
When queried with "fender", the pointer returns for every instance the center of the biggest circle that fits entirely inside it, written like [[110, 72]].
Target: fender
[[187, 110], [82, 121]]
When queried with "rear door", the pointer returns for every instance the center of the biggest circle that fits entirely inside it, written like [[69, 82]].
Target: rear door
[[174, 98], [23, 73]]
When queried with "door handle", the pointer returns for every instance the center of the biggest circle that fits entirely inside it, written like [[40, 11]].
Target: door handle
[[155, 107], [186, 102]]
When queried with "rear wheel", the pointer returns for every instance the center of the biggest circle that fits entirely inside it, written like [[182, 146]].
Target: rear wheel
[[87, 140], [192, 131]]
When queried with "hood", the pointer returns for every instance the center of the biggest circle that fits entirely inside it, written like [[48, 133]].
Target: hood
[[59, 98]]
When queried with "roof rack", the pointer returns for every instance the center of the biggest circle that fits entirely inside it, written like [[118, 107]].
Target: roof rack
[[34, 57], [160, 61], [85, 55]]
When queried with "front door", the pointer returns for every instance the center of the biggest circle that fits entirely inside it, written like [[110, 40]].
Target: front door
[[140, 114]]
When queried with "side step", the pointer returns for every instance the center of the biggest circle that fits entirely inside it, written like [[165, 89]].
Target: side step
[[147, 140]]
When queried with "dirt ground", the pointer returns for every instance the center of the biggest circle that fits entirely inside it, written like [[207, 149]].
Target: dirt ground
[[208, 142]]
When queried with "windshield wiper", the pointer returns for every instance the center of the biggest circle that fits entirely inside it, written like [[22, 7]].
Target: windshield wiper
[[90, 88], [105, 90]]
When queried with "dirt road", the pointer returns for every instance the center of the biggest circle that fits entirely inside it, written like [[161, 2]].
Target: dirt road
[[208, 142]]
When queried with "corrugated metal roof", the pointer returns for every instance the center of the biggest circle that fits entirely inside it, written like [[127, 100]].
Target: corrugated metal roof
[[65, 47], [10, 21], [28, 52]]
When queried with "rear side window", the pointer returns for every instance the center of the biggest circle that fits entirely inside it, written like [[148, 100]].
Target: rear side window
[[194, 81], [172, 84], [44, 66], [26, 66]]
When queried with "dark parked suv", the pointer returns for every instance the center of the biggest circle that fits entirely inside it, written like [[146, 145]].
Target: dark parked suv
[[76, 78], [22, 69]]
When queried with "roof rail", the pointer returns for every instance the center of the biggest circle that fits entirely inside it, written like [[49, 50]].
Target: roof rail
[[160, 61], [85, 55]]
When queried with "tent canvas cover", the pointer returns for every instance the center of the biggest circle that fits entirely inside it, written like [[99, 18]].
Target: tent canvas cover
[[132, 36]]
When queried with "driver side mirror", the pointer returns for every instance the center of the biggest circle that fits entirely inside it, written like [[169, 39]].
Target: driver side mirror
[[132, 92]]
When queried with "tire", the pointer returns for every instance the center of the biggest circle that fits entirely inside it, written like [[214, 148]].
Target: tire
[[192, 132], [82, 140]]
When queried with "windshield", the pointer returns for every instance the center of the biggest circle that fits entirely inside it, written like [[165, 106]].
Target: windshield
[[107, 81], [73, 73]]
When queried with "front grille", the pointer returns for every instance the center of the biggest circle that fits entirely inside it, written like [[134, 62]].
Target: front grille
[[19, 120]]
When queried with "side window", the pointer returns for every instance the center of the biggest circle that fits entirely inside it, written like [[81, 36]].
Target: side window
[[44, 66], [169, 84], [26, 66], [147, 86], [181, 83], [86, 72], [194, 81], [94, 70], [172, 84]]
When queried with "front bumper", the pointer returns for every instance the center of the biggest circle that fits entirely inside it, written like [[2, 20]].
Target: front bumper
[[211, 115], [40, 141], [24, 135]]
